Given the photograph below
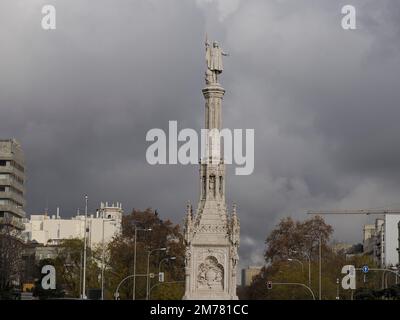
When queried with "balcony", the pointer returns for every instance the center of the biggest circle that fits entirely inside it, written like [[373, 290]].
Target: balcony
[[10, 208], [12, 221], [12, 195], [12, 170], [13, 183]]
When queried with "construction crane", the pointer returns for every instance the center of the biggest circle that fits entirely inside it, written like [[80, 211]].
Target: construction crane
[[359, 211]]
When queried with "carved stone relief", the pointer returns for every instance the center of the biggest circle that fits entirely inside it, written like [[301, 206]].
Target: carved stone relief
[[210, 274], [212, 228]]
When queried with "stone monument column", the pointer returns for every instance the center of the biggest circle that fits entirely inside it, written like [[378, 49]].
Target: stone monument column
[[212, 234]]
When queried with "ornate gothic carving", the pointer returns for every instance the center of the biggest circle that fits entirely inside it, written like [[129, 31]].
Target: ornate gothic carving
[[188, 256], [212, 185], [210, 274], [211, 228]]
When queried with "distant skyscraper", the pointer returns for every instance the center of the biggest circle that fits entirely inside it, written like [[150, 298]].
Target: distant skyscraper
[[212, 234], [12, 184]]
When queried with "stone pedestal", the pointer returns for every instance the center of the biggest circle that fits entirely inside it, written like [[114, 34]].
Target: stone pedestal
[[211, 234]]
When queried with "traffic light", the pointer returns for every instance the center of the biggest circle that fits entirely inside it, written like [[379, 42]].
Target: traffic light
[[269, 285]]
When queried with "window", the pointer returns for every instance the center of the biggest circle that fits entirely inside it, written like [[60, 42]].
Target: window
[[3, 163], [2, 188]]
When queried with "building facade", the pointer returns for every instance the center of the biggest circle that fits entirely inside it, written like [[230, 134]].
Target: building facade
[[211, 234], [391, 235], [51, 230], [381, 240], [12, 185], [249, 274]]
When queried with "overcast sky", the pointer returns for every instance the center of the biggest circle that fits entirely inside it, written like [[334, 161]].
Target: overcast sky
[[324, 103]]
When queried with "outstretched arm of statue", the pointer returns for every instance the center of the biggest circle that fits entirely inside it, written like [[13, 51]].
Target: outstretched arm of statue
[[225, 54]]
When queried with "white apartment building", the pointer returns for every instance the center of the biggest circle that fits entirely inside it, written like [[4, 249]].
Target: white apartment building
[[46, 229], [391, 238], [382, 240]]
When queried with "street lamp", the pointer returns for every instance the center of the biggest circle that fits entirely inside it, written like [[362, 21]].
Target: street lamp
[[309, 265], [160, 283], [161, 279], [103, 258], [320, 264], [165, 259], [148, 267], [84, 249], [134, 263], [297, 260], [320, 268], [270, 283], [116, 293]]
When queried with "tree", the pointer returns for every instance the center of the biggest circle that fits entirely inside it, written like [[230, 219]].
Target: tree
[[120, 257], [10, 260], [295, 237], [300, 240], [68, 265]]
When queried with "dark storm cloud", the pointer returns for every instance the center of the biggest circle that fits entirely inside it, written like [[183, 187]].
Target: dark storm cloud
[[324, 103]]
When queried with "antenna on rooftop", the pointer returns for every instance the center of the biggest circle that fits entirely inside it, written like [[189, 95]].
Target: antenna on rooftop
[[46, 209]]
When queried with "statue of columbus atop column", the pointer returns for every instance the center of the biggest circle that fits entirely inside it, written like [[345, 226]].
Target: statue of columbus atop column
[[214, 61], [212, 232]]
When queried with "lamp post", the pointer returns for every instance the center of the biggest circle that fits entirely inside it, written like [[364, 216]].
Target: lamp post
[[134, 262], [309, 268], [165, 259], [80, 272], [159, 272], [148, 267], [103, 258], [160, 283], [116, 293], [320, 264], [294, 284], [320, 268], [297, 260], [309, 265], [84, 250]]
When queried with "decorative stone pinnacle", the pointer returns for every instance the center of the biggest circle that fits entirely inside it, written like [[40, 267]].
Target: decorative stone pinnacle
[[188, 208]]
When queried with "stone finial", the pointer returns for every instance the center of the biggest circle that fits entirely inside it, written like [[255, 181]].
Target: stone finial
[[188, 208], [234, 209]]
